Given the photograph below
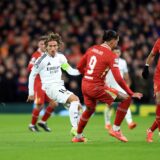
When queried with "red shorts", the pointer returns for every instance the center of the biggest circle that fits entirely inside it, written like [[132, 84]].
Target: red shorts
[[156, 86], [93, 93], [40, 95], [156, 80]]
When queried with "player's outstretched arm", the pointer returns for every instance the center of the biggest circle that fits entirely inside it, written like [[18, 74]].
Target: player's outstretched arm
[[82, 64], [71, 71]]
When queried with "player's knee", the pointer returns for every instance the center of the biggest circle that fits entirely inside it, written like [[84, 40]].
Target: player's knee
[[72, 98], [53, 104], [80, 108], [90, 109], [39, 106], [75, 98]]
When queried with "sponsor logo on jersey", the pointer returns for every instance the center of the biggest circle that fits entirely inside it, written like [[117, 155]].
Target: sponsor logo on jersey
[[52, 69]]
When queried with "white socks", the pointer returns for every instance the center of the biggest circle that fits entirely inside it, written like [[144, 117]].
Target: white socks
[[107, 115], [128, 116], [116, 128], [74, 114]]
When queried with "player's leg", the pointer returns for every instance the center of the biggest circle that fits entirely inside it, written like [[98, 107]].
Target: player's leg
[[158, 110], [129, 120], [62, 95], [84, 119], [156, 123], [74, 112], [149, 132], [120, 114], [50, 108], [39, 102], [107, 116], [35, 115]]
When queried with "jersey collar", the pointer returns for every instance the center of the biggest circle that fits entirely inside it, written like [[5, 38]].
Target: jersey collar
[[50, 55], [106, 46]]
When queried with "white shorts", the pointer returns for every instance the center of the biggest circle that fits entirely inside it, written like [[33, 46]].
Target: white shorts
[[58, 93], [112, 83], [115, 85]]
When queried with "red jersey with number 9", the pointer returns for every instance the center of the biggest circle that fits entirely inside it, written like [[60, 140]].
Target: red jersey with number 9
[[96, 63]]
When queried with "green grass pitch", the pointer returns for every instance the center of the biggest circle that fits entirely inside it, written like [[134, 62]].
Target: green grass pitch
[[18, 143]]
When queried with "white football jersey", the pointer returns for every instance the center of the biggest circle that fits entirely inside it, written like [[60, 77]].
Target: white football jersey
[[49, 69], [110, 80]]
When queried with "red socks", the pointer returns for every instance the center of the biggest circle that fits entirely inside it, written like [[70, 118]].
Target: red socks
[[158, 116], [154, 126], [35, 114], [121, 111], [48, 113], [84, 119]]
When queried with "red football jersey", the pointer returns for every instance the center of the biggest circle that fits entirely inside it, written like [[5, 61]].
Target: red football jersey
[[156, 50], [96, 63], [34, 57]]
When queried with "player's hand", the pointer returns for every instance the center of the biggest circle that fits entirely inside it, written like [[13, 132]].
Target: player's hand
[[137, 95], [145, 72], [30, 98]]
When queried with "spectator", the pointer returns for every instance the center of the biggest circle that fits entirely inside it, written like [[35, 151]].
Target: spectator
[[80, 23]]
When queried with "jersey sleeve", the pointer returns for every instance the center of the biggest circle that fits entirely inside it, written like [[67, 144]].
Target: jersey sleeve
[[156, 47], [62, 59], [35, 70], [71, 71], [31, 63], [82, 64], [116, 73], [125, 68]]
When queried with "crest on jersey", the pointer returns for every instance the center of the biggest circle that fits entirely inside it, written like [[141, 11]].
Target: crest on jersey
[[48, 64]]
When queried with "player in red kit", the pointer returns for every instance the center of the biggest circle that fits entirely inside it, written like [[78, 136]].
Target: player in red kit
[[156, 80], [40, 96], [94, 65]]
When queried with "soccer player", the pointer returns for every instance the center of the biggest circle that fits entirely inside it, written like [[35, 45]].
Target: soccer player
[[96, 62], [40, 97], [49, 68], [156, 124], [111, 82]]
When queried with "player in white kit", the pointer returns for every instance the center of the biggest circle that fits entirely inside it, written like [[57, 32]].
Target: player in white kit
[[110, 80], [49, 68]]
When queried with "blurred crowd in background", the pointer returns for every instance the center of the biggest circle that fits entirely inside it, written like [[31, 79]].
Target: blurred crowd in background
[[81, 24]]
